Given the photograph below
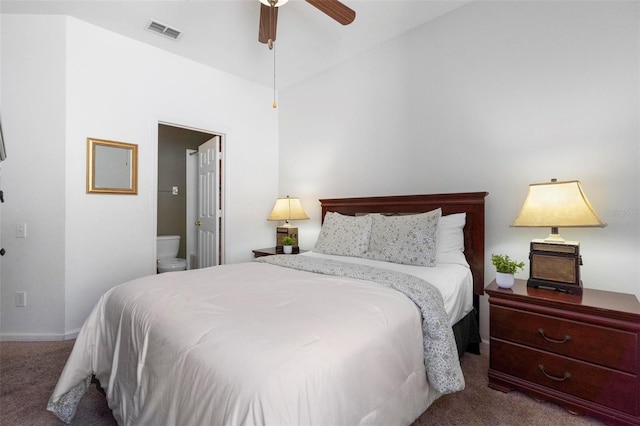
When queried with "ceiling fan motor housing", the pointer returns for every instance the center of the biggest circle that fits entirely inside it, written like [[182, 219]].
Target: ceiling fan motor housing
[[278, 3]]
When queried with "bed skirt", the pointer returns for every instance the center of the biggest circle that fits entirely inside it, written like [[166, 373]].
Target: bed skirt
[[467, 334]]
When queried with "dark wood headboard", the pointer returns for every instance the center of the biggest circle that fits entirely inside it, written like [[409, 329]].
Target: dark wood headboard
[[471, 203]]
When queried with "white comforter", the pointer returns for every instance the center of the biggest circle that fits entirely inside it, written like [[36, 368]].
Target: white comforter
[[252, 343]]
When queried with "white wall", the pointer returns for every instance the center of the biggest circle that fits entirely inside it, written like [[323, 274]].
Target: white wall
[[491, 97], [33, 123], [64, 80]]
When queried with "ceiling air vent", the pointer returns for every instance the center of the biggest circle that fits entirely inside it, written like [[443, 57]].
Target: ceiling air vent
[[164, 29]]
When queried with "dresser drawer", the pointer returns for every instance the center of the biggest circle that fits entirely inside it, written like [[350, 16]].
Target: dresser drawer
[[604, 346], [599, 385]]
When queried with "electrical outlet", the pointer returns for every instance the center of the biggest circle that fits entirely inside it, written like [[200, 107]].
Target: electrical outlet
[[21, 230], [21, 299]]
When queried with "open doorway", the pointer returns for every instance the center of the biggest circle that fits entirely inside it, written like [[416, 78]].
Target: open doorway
[[178, 187]]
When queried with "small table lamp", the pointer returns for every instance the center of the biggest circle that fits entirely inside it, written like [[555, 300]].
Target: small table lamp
[[554, 262], [287, 209]]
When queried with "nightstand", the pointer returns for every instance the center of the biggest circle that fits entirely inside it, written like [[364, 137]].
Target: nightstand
[[578, 351], [270, 251]]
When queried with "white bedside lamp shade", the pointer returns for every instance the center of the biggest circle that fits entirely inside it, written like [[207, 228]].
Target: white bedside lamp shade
[[287, 209], [557, 204]]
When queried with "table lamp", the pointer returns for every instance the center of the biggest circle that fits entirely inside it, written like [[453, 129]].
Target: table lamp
[[287, 209], [554, 262]]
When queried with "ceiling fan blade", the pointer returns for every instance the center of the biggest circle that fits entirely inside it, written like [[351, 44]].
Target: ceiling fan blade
[[268, 23], [335, 9]]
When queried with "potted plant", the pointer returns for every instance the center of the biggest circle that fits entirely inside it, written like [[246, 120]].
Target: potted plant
[[505, 269], [287, 244]]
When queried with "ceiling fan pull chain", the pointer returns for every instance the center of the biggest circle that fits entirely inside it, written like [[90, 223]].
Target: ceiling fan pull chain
[[269, 20]]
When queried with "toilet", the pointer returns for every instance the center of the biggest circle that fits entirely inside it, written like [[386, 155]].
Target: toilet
[[168, 246]]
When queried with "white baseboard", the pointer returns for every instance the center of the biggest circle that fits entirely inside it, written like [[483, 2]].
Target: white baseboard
[[484, 347], [18, 337]]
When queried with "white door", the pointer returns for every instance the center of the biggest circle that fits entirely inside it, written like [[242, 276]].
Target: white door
[[209, 203]]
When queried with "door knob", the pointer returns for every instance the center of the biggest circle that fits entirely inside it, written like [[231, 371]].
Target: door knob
[[2, 252], [197, 223]]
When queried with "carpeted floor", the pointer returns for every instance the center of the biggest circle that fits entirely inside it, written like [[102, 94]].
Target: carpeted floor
[[29, 371]]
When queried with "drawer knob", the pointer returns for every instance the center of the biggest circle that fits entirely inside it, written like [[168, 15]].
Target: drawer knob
[[549, 339], [566, 376]]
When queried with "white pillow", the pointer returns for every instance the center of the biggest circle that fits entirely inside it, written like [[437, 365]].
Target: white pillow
[[450, 239], [406, 239], [344, 235]]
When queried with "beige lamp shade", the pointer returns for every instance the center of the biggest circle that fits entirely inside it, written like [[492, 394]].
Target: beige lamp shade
[[557, 204], [288, 209]]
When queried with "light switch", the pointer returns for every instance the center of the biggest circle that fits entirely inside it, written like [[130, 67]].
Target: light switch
[[21, 230]]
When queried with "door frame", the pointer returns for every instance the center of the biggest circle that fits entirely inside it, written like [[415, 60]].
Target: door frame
[[224, 187], [191, 156]]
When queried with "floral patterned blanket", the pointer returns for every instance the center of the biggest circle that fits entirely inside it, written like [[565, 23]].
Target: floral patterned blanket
[[440, 353]]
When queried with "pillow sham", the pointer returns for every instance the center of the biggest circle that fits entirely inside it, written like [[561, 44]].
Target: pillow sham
[[406, 239], [450, 239], [344, 235]]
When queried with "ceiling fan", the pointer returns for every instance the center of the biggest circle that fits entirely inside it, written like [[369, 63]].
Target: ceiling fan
[[269, 16]]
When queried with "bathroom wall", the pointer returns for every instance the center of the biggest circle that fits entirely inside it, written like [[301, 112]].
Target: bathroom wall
[[172, 171]]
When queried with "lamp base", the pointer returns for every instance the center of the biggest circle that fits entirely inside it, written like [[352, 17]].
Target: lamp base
[[570, 288], [554, 238], [286, 231], [556, 266]]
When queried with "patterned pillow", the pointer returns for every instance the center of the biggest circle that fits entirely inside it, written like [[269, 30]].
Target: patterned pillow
[[344, 235], [408, 239]]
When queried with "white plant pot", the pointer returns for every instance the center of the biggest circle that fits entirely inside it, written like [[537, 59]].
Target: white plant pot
[[504, 280], [287, 249]]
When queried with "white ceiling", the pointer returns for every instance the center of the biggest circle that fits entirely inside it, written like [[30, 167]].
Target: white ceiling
[[224, 33]]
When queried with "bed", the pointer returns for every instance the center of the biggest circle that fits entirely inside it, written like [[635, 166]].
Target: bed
[[345, 334]]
